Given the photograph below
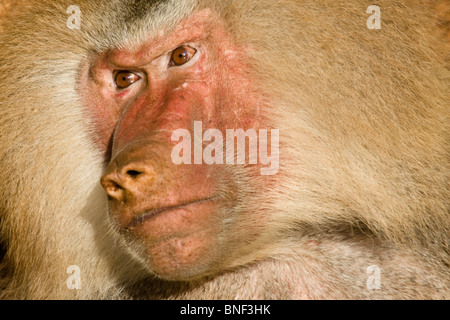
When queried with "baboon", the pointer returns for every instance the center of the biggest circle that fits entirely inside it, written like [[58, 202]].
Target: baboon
[[357, 209]]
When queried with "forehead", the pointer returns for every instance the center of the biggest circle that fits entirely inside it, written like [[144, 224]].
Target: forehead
[[139, 20], [190, 29]]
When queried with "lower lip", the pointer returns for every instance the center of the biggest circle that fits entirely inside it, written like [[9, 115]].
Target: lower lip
[[142, 218]]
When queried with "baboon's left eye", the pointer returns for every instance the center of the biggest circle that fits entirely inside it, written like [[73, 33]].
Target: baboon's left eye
[[182, 55]]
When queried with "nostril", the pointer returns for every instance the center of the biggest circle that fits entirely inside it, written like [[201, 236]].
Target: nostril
[[134, 173], [111, 185], [112, 188]]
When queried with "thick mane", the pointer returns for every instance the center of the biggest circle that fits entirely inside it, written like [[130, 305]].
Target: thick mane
[[363, 118]]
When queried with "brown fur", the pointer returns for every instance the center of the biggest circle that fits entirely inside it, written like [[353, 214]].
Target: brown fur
[[364, 168]]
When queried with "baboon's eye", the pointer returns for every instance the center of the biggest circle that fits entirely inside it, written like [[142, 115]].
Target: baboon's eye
[[181, 55], [124, 79]]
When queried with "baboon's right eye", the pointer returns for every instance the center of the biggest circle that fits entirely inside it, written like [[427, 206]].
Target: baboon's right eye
[[124, 79]]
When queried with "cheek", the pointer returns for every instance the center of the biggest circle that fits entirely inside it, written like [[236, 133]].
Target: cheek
[[101, 109], [104, 122], [237, 104]]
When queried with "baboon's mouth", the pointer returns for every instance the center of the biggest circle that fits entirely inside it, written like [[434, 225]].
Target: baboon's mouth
[[151, 213]]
